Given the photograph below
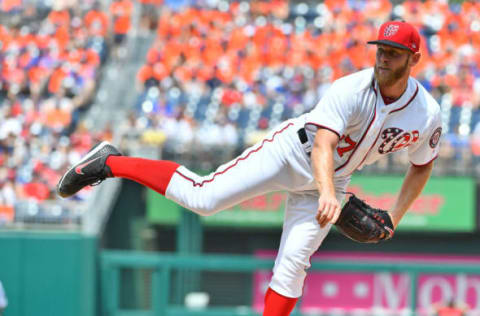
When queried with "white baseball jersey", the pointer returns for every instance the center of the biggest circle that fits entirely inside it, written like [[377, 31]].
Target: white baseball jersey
[[368, 129]]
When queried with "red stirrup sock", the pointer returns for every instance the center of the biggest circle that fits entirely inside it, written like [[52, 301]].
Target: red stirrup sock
[[277, 304], [155, 174]]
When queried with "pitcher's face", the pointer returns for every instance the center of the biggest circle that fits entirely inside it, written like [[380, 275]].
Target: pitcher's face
[[391, 64]]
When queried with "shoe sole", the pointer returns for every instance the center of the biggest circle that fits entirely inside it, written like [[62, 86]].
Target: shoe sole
[[87, 156]]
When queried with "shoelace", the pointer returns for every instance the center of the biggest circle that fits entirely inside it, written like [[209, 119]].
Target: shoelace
[[97, 182]]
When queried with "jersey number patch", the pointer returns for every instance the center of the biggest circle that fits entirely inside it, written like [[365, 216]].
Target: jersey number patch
[[350, 145], [396, 139]]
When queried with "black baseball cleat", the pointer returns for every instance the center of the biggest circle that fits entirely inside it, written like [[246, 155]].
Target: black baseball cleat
[[91, 170]]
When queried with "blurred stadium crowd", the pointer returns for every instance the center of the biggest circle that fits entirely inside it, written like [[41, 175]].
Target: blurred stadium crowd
[[50, 62], [216, 77], [236, 69]]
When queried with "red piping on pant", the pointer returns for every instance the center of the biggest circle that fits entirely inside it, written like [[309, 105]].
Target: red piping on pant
[[195, 184]]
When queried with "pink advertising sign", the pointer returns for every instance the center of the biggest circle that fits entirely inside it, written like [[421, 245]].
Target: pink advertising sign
[[348, 293]]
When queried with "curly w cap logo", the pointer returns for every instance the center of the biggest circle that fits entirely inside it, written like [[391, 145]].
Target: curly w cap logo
[[390, 30]]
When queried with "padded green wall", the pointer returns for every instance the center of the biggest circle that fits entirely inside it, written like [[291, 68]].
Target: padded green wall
[[49, 274]]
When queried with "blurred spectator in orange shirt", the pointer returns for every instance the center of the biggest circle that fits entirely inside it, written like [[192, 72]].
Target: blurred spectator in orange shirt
[[10, 5], [56, 117], [59, 17], [120, 11], [96, 21], [56, 79]]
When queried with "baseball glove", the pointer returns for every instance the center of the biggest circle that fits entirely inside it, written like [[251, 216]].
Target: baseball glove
[[362, 223]]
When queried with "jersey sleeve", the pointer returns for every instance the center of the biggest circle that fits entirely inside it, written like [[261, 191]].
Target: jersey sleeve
[[332, 111], [427, 149]]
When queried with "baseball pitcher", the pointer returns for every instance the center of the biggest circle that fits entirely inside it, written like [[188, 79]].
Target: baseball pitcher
[[362, 118]]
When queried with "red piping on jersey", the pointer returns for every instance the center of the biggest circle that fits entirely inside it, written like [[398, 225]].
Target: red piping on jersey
[[422, 165], [366, 131], [324, 127], [373, 86], [409, 101], [236, 161], [361, 139], [399, 109]]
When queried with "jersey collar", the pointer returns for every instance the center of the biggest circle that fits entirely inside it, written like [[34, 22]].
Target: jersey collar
[[401, 103]]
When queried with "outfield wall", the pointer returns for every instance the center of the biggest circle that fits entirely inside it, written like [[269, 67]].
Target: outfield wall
[[49, 274]]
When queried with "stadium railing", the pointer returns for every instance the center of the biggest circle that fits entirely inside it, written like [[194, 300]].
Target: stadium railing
[[162, 266]]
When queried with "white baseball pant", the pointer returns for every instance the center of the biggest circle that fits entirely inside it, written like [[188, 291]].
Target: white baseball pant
[[278, 162]]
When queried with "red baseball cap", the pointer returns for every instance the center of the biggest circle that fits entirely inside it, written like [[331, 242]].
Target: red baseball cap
[[398, 34]]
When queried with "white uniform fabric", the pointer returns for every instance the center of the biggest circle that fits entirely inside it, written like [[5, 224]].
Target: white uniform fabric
[[279, 162], [368, 128]]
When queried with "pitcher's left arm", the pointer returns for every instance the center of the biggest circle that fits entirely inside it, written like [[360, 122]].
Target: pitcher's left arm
[[413, 184]]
